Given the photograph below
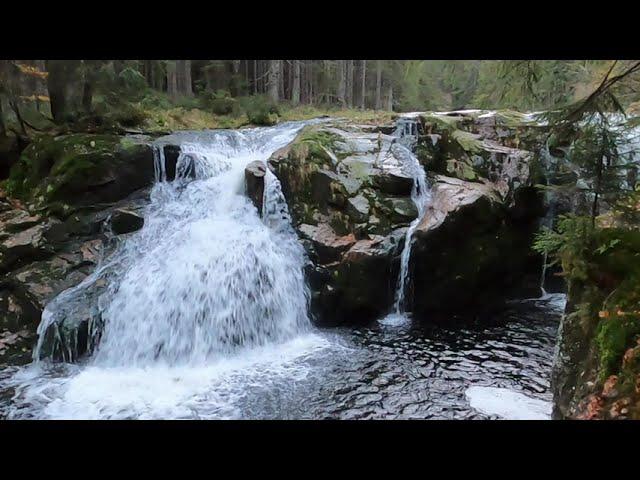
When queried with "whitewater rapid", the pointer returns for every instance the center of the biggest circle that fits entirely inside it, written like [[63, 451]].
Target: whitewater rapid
[[207, 287]]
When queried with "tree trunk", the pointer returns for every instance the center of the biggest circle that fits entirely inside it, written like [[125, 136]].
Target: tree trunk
[[87, 93], [3, 125], [364, 84], [274, 79], [183, 78], [342, 86], [16, 110], [187, 87], [390, 99], [255, 77], [281, 76], [378, 84], [295, 89], [246, 77], [172, 80], [349, 83], [311, 92], [56, 87]]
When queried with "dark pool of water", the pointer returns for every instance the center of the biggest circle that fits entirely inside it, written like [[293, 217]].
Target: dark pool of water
[[413, 371]]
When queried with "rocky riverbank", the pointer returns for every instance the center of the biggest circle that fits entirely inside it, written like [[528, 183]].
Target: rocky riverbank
[[69, 200]]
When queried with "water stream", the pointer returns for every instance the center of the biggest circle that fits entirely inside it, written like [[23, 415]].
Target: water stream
[[407, 134], [204, 316]]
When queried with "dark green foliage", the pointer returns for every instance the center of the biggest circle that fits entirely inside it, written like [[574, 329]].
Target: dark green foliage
[[602, 266], [219, 102], [615, 335], [132, 84], [260, 110]]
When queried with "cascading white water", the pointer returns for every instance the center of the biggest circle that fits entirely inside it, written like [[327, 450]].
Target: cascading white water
[[206, 275], [207, 286], [406, 132]]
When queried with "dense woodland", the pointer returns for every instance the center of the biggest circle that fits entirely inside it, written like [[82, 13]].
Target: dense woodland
[[104, 93]]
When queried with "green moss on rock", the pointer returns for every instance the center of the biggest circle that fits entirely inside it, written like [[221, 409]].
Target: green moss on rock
[[80, 167]]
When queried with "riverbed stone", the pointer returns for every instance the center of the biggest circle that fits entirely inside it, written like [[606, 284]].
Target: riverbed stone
[[254, 174], [125, 221]]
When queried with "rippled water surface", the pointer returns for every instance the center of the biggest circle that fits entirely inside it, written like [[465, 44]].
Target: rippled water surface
[[410, 371]]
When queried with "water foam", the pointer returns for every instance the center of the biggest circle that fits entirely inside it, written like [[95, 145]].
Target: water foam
[[205, 290]]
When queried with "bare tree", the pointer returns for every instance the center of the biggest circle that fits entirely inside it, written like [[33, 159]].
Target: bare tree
[[172, 80], [364, 83], [274, 79], [295, 89], [342, 82], [255, 77], [349, 83], [378, 84], [187, 85]]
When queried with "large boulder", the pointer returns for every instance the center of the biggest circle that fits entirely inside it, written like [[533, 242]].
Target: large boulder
[[60, 174], [471, 252], [40, 258], [349, 192]]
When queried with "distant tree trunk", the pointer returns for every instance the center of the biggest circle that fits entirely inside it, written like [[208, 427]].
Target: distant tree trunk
[[274, 79], [364, 83], [390, 99], [13, 103], [349, 83], [281, 76], [311, 91], [295, 89], [88, 84], [3, 125], [188, 87], [63, 84], [172, 79], [378, 84], [246, 77], [87, 94], [342, 85], [183, 78], [255, 77], [180, 80]]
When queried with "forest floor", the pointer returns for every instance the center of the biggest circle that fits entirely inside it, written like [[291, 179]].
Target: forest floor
[[180, 118], [156, 120]]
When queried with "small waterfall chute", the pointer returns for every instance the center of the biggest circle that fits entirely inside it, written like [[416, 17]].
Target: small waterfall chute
[[407, 134]]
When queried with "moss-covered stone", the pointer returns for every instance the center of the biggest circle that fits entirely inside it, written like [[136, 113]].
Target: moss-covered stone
[[79, 169]]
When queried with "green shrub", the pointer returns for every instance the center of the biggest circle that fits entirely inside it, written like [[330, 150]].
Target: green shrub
[[127, 115], [133, 83], [614, 336], [188, 103], [219, 102], [260, 110], [155, 100]]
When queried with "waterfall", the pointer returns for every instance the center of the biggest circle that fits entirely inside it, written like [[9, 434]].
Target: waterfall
[[406, 134], [547, 222], [206, 274]]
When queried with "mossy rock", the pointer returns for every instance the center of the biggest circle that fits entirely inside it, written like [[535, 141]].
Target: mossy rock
[[80, 169]]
